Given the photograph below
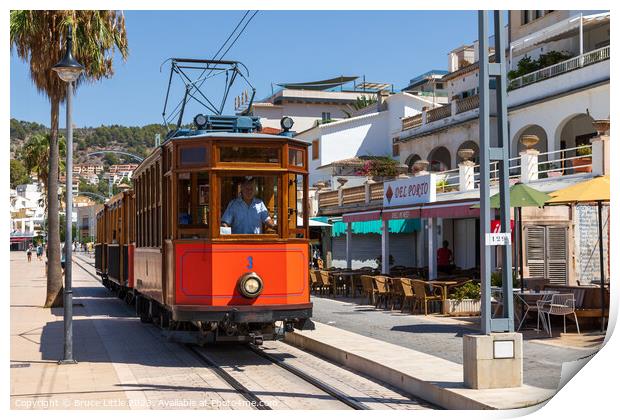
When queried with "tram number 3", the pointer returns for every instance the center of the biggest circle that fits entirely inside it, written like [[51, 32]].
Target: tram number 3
[[250, 263]]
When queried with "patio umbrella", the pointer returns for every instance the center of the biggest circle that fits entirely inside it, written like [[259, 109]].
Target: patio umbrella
[[520, 196], [595, 190]]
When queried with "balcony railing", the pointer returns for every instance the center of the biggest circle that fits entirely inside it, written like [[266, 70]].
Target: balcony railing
[[353, 195], [473, 102], [557, 163], [328, 199], [412, 122], [564, 67], [467, 104], [438, 113]]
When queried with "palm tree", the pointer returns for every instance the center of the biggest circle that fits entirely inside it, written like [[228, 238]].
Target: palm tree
[[35, 155], [38, 37]]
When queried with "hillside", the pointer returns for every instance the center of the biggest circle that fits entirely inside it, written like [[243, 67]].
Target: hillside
[[136, 140]]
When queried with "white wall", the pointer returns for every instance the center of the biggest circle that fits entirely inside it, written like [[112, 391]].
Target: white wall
[[462, 83], [304, 115], [369, 134], [553, 115]]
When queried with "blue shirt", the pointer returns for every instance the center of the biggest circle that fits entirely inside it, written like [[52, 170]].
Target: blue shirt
[[244, 219]]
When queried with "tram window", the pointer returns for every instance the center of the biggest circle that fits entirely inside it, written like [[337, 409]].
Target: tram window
[[249, 205], [192, 155], [185, 198], [249, 154], [193, 203], [296, 157], [296, 207]]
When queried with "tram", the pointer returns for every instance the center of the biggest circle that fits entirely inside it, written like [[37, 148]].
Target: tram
[[214, 236]]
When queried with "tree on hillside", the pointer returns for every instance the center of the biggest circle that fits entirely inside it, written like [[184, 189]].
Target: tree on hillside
[[19, 173], [39, 37], [35, 154]]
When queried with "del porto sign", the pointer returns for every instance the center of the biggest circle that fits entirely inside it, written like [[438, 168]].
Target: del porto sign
[[414, 190]]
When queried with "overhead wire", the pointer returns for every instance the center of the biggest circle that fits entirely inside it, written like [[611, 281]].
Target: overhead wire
[[195, 86]]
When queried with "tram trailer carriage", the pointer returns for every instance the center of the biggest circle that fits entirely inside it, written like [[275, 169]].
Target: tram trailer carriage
[[188, 268], [115, 244]]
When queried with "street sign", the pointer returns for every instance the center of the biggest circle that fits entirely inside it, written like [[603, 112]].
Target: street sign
[[498, 239]]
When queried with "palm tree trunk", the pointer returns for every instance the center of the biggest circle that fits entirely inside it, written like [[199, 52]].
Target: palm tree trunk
[[54, 270]]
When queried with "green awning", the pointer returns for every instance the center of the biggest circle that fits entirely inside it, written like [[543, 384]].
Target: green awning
[[374, 226]]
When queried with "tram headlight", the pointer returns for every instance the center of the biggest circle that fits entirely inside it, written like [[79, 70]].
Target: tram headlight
[[250, 285], [286, 123], [200, 121]]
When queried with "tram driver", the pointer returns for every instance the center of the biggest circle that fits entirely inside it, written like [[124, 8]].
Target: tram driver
[[247, 214]]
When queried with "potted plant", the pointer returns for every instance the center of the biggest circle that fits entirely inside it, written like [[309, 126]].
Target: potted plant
[[583, 161], [465, 300]]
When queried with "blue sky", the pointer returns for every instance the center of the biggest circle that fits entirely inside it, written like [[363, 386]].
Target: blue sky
[[277, 46]]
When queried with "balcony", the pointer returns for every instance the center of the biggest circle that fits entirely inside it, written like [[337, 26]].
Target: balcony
[[458, 108], [574, 63], [530, 166]]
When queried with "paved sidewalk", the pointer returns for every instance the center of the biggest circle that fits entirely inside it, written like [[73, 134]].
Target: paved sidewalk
[[122, 363], [442, 337]]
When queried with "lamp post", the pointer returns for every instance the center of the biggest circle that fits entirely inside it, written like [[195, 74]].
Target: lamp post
[[68, 69]]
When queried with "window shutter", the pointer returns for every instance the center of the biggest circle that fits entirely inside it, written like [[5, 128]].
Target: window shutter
[[556, 255], [535, 250]]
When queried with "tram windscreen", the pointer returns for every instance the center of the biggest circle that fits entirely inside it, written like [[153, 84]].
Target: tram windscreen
[[249, 205]]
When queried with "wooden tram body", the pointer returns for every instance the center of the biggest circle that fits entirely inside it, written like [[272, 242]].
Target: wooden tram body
[[115, 244], [163, 243]]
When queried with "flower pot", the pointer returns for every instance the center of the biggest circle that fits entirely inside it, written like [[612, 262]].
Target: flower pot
[[466, 154], [461, 307], [529, 140], [601, 126], [582, 161]]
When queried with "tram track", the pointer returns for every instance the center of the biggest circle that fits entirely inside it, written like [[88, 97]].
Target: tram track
[[250, 396], [317, 383], [250, 370]]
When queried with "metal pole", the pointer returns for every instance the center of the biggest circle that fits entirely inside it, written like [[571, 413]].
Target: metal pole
[[348, 248], [485, 211], [581, 34], [385, 247], [68, 292], [601, 261], [520, 246], [503, 147]]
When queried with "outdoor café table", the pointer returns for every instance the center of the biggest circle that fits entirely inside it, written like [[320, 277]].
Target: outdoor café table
[[527, 299], [443, 285], [349, 276]]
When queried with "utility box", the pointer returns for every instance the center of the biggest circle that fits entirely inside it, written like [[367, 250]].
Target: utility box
[[493, 361]]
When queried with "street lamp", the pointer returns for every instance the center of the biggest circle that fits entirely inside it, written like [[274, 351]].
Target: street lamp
[[68, 69]]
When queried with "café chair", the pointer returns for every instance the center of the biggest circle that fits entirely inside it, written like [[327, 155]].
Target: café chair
[[383, 292], [368, 288], [561, 304], [328, 283], [408, 294], [422, 296]]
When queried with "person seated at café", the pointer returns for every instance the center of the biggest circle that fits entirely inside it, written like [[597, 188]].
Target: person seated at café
[[445, 259], [247, 214]]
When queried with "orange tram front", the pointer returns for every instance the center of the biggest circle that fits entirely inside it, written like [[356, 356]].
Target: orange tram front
[[214, 236]]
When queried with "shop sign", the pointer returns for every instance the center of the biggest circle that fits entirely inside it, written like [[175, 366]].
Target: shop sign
[[414, 190]]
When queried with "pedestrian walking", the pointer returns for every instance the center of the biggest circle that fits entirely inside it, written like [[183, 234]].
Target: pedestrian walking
[[39, 251], [29, 253]]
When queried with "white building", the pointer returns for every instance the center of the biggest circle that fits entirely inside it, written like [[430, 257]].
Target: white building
[[557, 103], [87, 221], [369, 134], [27, 208], [311, 103]]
